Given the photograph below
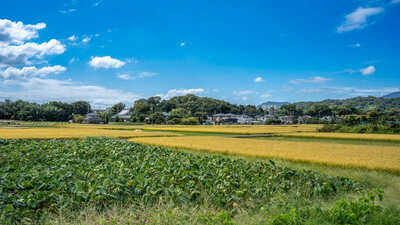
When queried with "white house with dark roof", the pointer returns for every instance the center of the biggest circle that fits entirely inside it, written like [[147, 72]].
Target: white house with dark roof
[[125, 115]]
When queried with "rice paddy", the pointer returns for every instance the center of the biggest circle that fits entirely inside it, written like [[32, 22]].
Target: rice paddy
[[59, 133], [350, 136], [347, 155], [238, 129], [307, 147]]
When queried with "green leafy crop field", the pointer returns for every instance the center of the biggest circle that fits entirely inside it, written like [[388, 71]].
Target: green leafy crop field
[[40, 177]]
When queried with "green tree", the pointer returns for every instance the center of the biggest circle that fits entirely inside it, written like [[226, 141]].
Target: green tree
[[291, 110], [190, 121], [50, 112], [201, 116], [179, 113], [250, 110], [30, 112], [157, 118], [320, 110], [81, 107], [78, 118], [117, 108]]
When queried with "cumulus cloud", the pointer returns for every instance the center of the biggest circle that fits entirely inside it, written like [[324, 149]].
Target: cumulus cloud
[[106, 62], [258, 80], [178, 92], [72, 38], [358, 19], [20, 55], [86, 40], [18, 32], [43, 90], [12, 72], [314, 80], [182, 44], [368, 70]]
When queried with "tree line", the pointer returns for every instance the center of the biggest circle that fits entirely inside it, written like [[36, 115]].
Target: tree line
[[192, 109], [51, 111], [188, 109]]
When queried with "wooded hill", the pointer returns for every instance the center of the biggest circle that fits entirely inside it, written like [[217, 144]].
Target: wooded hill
[[360, 103]]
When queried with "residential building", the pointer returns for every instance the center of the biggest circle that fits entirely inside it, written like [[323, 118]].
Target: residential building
[[124, 115], [92, 118]]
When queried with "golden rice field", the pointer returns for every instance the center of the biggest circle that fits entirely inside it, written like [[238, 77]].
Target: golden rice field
[[100, 126], [348, 155], [351, 136], [238, 129], [81, 132]]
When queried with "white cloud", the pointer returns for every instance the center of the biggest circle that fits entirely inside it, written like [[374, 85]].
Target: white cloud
[[358, 19], [258, 80], [19, 55], [356, 45], [368, 70], [182, 44], [132, 60], [178, 92], [125, 76], [244, 98], [146, 74], [43, 90], [265, 95], [315, 80], [72, 60], [96, 4], [66, 11], [106, 62], [72, 38], [86, 40], [17, 32], [12, 72], [244, 92]]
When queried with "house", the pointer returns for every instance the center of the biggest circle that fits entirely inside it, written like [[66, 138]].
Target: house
[[303, 119], [327, 118], [286, 119], [244, 119], [230, 118], [124, 115], [92, 118], [264, 118], [222, 118]]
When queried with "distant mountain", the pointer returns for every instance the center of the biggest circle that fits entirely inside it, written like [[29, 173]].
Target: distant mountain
[[392, 95], [361, 103], [270, 104]]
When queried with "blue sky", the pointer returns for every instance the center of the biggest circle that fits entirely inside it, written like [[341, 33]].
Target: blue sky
[[244, 52]]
